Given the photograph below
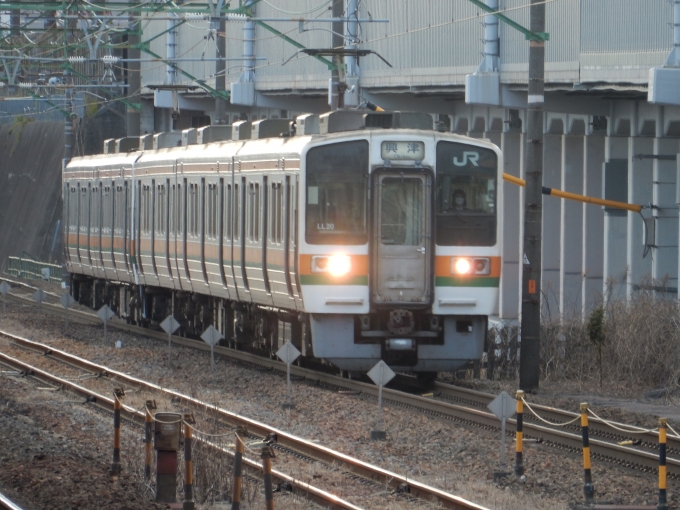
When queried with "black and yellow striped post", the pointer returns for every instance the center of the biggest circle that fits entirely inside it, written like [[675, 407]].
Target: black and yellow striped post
[[148, 439], [588, 489], [663, 505], [188, 503], [117, 395], [241, 433], [267, 456], [519, 435]]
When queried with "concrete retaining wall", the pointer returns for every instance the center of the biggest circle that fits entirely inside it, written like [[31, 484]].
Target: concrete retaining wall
[[30, 191]]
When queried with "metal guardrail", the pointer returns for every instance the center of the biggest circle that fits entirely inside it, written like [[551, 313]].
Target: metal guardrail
[[33, 269]]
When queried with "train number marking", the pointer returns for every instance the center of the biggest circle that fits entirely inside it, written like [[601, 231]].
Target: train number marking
[[325, 226]]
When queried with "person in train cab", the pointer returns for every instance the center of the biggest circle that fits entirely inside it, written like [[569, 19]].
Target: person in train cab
[[459, 201]]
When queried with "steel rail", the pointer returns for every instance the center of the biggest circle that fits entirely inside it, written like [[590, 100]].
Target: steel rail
[[622, 455], [8, 504], [106, 403], [285, 439], [649, 439]]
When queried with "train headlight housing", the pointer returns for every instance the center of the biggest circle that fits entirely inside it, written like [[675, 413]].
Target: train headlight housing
[[335, 265], [470, 265]]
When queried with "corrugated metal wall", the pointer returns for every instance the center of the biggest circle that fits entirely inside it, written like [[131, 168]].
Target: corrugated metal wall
[[616, 26], [191, 43], [433, 34], [434, 42], [278, 51]]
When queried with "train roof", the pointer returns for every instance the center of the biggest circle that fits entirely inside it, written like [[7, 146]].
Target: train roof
[[269, 147]]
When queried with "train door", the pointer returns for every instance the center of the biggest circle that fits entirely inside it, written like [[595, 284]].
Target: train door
[[402, 241]]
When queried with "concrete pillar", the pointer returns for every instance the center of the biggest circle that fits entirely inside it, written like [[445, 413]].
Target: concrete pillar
[[640, 171], [552, 218], [571, 237], [665, 254], [615, 231], [512, 145], [593, 223]]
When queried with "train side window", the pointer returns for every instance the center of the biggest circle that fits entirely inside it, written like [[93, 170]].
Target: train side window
[[294, 212], [237, 211], [160, 209], [192, 209], [253, 211], [276, 215], [228, 213], [172, 198], [146, 210], [179, 210], [211, 211], [258, 211]]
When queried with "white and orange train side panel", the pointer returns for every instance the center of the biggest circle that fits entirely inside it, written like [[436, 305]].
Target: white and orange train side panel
[[96, 203]]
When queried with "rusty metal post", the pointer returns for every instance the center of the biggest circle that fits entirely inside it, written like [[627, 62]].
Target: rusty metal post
[[519, 435], [663, 505], [188, 503], [267, 456], [167, 438], [241, 433], [148, 438], [588, 489], [117, 395]]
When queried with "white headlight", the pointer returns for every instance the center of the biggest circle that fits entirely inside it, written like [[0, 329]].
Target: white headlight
[[335, 265], [461, 266], [339, 265], [471, 265]]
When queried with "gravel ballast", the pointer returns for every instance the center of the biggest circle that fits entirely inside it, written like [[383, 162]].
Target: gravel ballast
[[57, 453]]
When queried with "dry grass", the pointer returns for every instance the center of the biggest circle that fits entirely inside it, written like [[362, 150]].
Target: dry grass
[[640, 347]]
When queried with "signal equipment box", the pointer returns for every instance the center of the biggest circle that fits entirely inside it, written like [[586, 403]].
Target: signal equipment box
[[168, 429]]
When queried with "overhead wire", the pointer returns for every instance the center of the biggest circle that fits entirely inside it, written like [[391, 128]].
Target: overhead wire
[[386, 36], [320, 6]]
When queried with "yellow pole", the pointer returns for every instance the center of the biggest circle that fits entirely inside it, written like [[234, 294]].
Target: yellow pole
[[663, 505], [579, 198], [588, 489], [519, 435]]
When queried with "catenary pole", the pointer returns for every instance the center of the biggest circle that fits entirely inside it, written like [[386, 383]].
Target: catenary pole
[[134, 78], [529, 366], [337, 41], [220, 69]]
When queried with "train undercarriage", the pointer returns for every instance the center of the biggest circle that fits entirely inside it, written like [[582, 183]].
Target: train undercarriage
[[400, 337]]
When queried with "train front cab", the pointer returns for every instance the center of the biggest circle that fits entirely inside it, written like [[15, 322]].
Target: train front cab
[[392, 265]]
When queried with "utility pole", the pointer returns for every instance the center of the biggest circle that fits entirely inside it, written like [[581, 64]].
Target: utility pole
[[529, 366], [220, 66], [134, 78], [337, 42]]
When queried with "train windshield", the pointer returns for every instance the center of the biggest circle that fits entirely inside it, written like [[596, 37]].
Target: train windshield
[[466, 195], [337, 178]]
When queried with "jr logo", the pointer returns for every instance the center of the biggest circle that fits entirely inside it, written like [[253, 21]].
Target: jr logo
[[473, 157]]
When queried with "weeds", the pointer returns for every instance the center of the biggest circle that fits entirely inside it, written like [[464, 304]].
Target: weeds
[[634, 342]]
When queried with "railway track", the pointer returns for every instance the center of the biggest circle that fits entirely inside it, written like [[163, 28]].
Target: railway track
[[7, 504], [300, 447], [472, 407], [598, 428]]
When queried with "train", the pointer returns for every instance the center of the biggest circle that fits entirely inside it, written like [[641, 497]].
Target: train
[[357, 236]]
